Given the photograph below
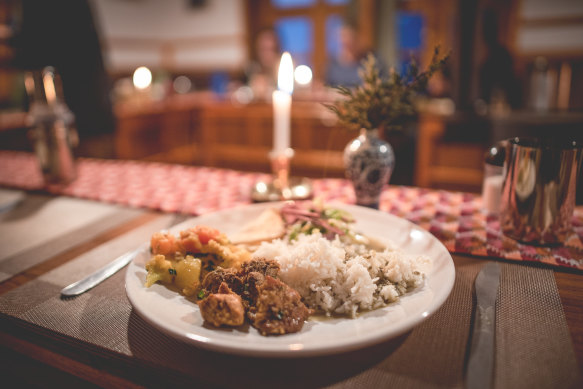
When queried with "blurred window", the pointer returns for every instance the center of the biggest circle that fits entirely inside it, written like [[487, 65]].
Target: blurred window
[[333, 25], [286, 4], [305, 28], [296, 35], [410, 26], [409, 37]]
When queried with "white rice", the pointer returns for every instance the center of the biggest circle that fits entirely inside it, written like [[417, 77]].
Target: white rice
[[337, 278]]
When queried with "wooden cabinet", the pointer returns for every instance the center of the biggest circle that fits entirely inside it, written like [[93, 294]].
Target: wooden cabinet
[[209, 132]]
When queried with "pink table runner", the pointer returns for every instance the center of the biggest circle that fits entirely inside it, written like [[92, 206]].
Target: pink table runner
[[453, 217]]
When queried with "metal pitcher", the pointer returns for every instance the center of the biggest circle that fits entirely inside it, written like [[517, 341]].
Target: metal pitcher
[[538, 192]]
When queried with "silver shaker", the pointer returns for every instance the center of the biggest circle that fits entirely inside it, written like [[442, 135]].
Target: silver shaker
[[51, 127], [538, 192], [493, 177]]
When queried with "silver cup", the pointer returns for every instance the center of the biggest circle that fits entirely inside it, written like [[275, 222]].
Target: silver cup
[[538, 192]]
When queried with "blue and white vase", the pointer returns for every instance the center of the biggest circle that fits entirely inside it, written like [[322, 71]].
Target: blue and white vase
[[369, 163]]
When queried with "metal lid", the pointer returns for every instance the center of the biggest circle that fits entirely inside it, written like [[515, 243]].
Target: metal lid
[[496, 154]]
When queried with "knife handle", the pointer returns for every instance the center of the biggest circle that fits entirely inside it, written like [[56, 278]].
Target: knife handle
[[481, 362]]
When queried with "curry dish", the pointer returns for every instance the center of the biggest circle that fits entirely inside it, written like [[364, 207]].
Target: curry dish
[[286, 264], [230, 287]]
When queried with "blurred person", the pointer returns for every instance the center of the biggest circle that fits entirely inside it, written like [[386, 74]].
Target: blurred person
[[440, 85], [62, 34], [438, 97], [497, 81], [343, 69], [261, 72]]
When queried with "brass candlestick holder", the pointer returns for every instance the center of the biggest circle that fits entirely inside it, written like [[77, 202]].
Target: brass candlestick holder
[[282, 187]]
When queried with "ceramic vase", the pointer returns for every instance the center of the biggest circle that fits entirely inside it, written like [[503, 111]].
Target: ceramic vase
[[369, 162]]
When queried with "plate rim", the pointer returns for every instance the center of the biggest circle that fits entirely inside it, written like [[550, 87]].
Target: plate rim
[[235, 348]]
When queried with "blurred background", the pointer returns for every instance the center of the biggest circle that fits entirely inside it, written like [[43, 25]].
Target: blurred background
[[190, 81]]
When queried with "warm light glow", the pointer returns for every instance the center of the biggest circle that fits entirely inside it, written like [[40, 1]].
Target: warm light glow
[[261, 187], [182, 84], [354, 145], [285, 75], [303, 75], [49, 85], [142, 77], [243, 95], [301, 191]]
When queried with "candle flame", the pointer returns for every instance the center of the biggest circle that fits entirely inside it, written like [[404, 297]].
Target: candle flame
[[285, 75], [50, 92]]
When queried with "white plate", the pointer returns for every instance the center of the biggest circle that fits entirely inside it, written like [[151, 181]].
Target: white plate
[[179, 317]]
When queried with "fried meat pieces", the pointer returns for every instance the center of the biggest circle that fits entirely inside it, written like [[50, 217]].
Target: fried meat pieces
[[278, 309], [223, 308], [270, 305]]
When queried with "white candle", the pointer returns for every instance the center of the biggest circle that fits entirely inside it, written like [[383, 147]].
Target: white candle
[[282, 104], [281, 120]]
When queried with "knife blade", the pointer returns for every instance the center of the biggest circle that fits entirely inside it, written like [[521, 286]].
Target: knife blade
[[102, 274], [111, 268], [481, 362]]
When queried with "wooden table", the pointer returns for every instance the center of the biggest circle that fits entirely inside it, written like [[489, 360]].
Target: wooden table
[[40, 345], [33, 359]]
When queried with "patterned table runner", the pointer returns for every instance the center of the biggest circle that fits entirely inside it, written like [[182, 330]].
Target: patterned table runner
[[455, 218]]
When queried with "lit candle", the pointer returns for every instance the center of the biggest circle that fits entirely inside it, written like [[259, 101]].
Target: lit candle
[[282, 104]]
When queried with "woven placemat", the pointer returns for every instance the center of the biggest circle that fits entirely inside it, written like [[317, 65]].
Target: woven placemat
[[432, 355], [40, 227], [532, 340]]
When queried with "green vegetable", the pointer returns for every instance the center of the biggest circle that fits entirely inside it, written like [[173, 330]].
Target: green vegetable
[[338, 214], [294, 232], [210, 266], [201, 294]]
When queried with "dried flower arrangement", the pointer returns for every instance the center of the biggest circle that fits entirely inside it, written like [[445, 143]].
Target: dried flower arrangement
[[383, 103]]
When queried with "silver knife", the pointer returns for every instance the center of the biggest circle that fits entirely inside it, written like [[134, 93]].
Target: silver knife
[[481, 362], [102, 274], [111, 268]]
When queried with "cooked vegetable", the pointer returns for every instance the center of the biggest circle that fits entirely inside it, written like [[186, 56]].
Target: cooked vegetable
[[158, 270], [185, 259], [164, 243], [188, 275], [302, 219]]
